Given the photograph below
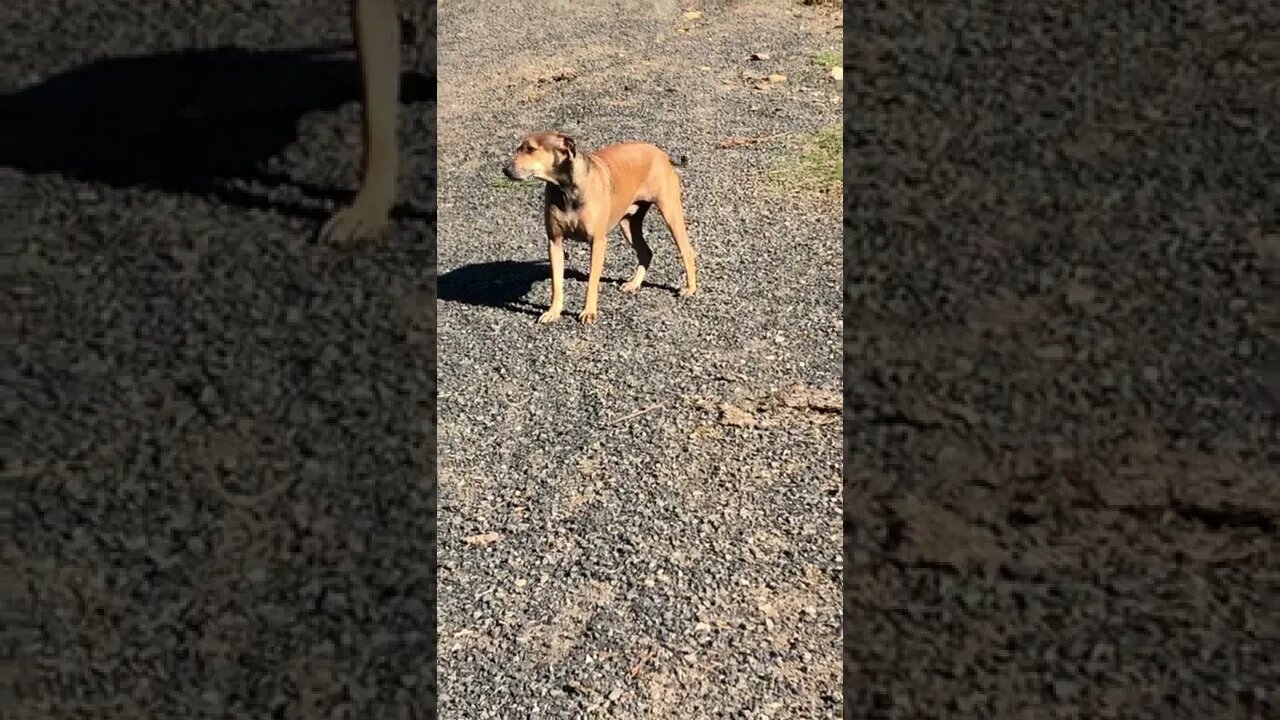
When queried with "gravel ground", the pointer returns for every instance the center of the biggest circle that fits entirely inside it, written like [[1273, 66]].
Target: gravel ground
[[1063, 431], [613, 541]]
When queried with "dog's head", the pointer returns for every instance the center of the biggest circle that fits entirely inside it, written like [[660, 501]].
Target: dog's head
[[547, 156]]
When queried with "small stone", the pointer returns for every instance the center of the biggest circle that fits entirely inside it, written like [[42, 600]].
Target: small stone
[[1051, 352], [1080, 294], [76, 489], [760, 56], [777, 78], [837, 72], [482, 539], [1150, 374]]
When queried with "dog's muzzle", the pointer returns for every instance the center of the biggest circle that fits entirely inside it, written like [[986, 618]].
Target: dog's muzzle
[[510, 172]]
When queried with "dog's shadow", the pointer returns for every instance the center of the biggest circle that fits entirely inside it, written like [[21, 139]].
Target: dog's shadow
[[504, 284], [193, 121]]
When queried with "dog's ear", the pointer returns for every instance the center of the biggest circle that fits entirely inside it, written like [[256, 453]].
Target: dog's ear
[[570, 148]]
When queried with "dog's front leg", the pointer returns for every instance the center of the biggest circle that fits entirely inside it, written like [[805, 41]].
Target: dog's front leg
[[377, 29], [590, 313], [555, 249]]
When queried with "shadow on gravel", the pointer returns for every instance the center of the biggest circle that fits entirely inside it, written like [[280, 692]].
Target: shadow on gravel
[[504, 284], [187, 122]]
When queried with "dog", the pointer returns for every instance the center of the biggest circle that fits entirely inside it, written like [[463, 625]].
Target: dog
[[376, 26], [589, 194]]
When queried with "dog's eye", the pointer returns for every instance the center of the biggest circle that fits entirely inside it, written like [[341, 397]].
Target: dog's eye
[[524, 148]]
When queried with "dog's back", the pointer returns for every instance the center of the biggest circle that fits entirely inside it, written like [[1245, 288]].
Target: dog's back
[[640, 171]]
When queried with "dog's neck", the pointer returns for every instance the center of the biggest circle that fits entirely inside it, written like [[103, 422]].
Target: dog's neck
[[569, 182]]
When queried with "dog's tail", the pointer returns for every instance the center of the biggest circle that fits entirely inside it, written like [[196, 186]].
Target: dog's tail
[[678, 160]]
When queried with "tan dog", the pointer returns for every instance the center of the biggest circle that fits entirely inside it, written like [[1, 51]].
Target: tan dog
[[587, 195], [376, 26]]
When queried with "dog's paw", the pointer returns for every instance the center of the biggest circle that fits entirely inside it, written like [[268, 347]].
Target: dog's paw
[[588, 317], [361, 222], [631, 287], [549, 317], [688, 291]]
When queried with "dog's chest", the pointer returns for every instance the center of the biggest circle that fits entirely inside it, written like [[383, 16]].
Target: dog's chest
[[569, 222]]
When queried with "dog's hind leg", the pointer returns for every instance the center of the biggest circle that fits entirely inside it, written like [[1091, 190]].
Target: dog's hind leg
[[668, 204], [633, 230]]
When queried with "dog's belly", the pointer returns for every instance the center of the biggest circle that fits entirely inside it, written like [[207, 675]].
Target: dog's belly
[[638, 207]]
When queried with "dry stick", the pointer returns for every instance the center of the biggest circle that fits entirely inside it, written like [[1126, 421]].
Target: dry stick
[[639, 666], [637, 413], [740, 141]]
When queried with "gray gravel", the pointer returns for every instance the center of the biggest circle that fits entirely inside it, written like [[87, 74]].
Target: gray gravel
[[653, 561]]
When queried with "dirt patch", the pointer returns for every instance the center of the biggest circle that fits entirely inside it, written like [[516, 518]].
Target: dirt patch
[[928, 535], [795, 403], [559, 638]]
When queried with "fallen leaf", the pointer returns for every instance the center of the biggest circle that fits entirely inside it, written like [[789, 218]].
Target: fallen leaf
[[734, 416], [692, 15], [482, 539], [777, 78]]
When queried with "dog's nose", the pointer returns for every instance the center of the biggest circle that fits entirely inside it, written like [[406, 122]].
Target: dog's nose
[[510, 172]]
